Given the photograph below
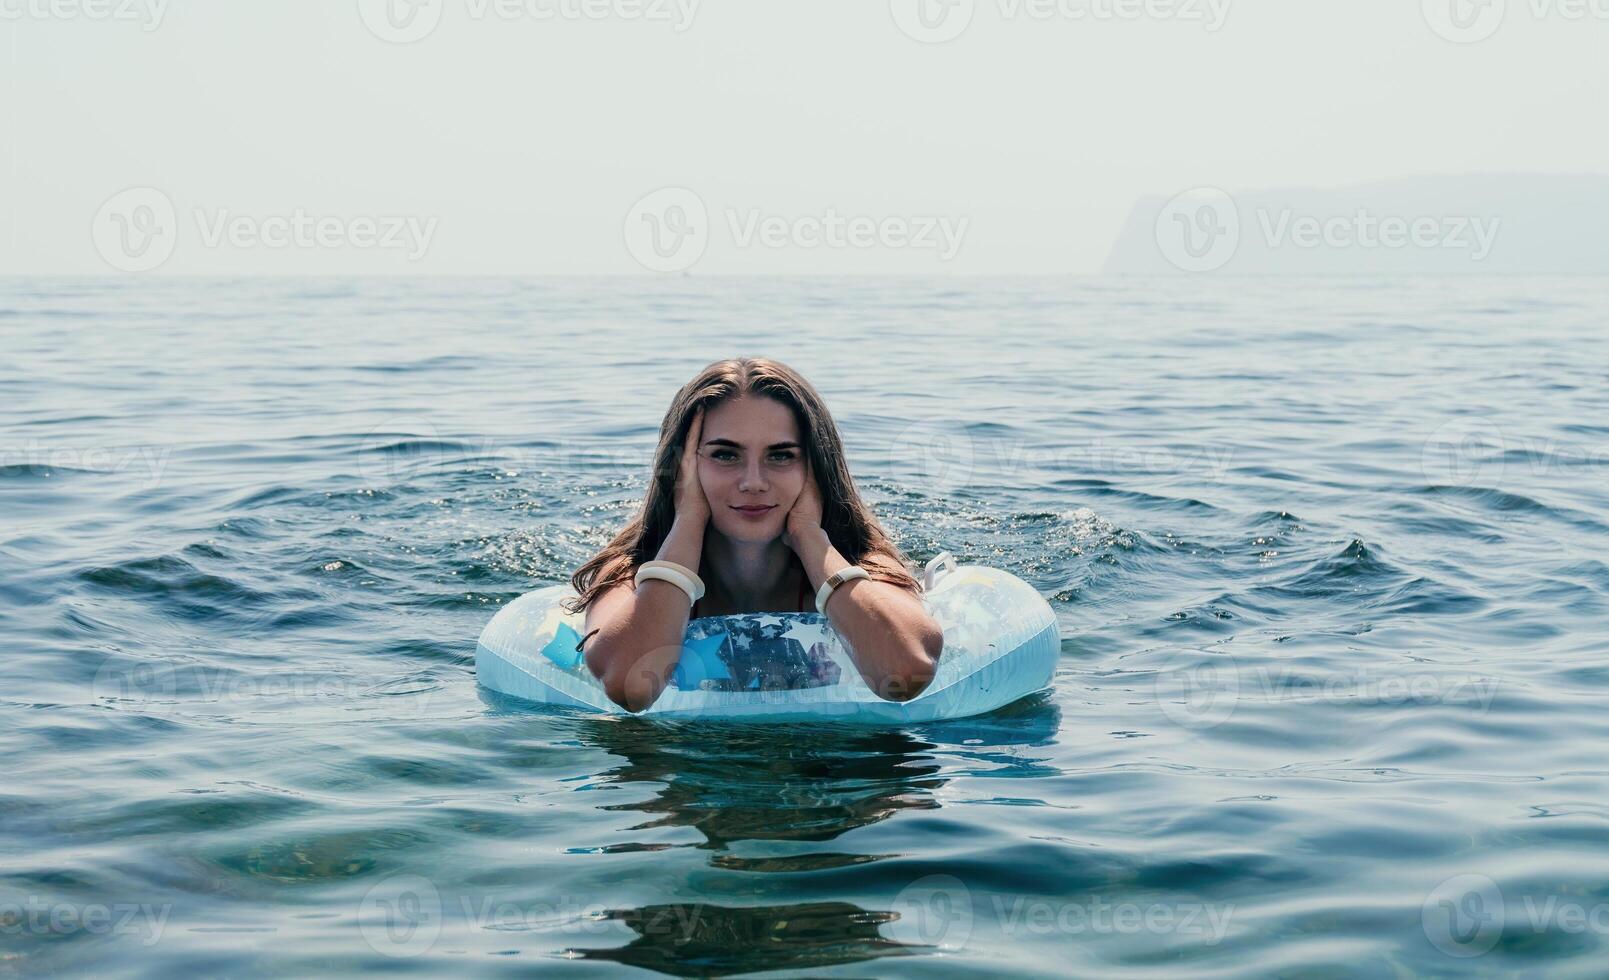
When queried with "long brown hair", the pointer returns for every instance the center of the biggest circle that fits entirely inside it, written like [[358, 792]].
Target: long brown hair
[[850, 525]]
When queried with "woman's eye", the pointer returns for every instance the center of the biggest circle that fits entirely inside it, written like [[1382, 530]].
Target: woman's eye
[[727, 456]]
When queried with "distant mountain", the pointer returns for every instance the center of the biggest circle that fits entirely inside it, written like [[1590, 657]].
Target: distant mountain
[[1471, 225]]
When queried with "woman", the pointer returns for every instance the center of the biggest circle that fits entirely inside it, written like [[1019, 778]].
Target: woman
[[751, 510]]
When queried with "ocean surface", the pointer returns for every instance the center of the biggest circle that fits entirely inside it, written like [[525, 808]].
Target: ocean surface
[[1328, 556]]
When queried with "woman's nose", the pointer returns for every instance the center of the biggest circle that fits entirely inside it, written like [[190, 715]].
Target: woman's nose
[[753, 477]]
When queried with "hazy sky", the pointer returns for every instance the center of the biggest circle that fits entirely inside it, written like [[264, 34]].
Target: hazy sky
[[879, 136]]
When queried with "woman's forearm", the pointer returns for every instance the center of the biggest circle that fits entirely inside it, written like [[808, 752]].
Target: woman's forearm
[[639, 673], [892, 639], [684, 545]]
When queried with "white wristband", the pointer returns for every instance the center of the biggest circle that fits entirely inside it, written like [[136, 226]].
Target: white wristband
[[834, 580], [682, 570], [670, 575]]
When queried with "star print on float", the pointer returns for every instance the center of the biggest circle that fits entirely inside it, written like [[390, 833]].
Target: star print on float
[[765, 653]]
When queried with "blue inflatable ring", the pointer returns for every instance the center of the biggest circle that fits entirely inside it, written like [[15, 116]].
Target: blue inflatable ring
[[1001, 643]]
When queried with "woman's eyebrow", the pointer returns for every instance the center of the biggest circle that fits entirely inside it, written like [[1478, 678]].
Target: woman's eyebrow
[[728, 442]]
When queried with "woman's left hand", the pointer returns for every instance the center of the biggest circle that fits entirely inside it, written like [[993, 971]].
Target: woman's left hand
[[805, 516]]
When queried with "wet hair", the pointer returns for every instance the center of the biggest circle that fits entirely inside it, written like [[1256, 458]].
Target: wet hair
[[849, 523]]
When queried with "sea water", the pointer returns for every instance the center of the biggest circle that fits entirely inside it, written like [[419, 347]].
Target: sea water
[[1328, 559]]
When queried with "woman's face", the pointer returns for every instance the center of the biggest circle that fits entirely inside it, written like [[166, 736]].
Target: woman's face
[[751, 457]]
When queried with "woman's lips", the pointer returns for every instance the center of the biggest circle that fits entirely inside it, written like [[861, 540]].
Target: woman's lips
[[755, 511]]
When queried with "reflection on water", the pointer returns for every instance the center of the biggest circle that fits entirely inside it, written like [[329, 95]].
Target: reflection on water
[[803, 784], [711, 940], [754, 785]]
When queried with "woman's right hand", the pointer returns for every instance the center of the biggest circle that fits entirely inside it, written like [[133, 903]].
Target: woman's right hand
[[692, 507]]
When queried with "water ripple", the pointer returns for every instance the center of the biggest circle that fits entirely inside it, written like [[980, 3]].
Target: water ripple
[[1327, 562]]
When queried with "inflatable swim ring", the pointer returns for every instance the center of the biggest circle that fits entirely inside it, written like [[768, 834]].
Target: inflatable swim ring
[[1000, 644]]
